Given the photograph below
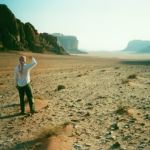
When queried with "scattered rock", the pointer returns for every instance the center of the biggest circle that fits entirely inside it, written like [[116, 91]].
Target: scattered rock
[[121, 110], [132, 76], [77, 146], [114, 126], [60, 87], [79, 75], [115, 146], [147, 117], [88, 144], [75, 120], [116, 67]]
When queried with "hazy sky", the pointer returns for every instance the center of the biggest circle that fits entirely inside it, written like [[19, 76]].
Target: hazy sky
[[98, 24]]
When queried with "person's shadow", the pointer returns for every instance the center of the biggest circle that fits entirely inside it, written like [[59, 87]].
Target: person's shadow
[[12, 115]]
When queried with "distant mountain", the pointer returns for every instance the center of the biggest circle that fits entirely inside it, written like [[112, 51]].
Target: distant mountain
[[69, 43], [16, 35], [138, 46]]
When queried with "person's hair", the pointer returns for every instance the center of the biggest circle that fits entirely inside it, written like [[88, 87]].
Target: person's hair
[[22, 60]]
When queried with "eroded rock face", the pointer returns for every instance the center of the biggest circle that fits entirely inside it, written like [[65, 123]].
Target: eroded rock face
[[15, 35], [22, 35], [138, 46], [8, 28], [8, 20], [69, 43], [50, 42]]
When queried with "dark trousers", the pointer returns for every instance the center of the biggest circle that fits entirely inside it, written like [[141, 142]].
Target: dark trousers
[[26, 90]]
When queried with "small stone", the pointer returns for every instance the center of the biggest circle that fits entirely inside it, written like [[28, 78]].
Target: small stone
[[77, 146], [132, 120], [88, 144], [142, 124], [75, 120], [108, 135], [126, 126], [78, 100], [114, 126], [147, 117], [60, 87], [87, 114], [127, 137], [115, 146]]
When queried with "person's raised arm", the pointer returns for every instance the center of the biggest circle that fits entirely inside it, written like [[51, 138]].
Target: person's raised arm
[[33, 63]]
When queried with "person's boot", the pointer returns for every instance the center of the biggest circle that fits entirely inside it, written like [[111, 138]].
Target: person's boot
[[22, 113], [33, 111]]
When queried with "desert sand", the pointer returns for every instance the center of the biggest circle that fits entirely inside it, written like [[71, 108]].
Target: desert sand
[[83, 103]]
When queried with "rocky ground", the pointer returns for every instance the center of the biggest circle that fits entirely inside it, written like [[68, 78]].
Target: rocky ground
[[83, 103]]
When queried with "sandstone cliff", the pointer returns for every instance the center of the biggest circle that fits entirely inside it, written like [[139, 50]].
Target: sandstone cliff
[[16, 35], [138, 46], [69, 43]]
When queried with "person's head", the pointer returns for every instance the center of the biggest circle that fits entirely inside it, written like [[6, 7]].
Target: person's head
[[22, 59]]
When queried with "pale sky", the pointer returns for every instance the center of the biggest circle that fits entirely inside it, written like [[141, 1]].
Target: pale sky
[[98, 24]]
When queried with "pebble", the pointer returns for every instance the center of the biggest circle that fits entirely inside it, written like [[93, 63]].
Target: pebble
[[114, 126], [77, 146], [115, 146], [60, 87]]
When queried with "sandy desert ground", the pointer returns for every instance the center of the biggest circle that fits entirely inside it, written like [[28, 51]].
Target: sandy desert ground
[[83, 103]]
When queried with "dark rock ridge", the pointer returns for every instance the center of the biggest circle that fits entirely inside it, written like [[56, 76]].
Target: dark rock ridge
[[16, 35], [69, 43], [138, 46]]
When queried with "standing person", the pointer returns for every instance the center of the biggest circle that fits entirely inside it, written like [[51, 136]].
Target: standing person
[[22, 81]]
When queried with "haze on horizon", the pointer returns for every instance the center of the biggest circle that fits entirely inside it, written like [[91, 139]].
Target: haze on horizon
[[98, 24]]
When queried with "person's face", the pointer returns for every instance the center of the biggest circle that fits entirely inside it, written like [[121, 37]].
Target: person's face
[[22, 59]]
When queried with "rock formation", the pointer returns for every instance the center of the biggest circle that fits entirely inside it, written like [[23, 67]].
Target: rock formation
[[69, 43], [138, 46], [15, 35]]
